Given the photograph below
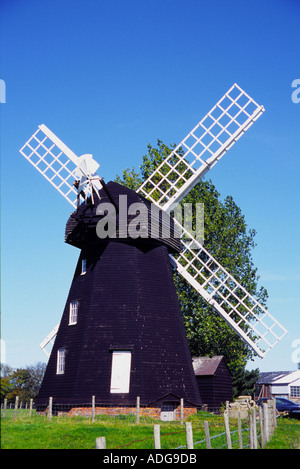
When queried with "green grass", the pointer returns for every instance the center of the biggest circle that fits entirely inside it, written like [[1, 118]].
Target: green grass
[[75, 433], [286, 436], [123, 433]]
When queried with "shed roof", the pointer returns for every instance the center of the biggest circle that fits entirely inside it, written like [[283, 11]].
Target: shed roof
[[204, 366], [288, 379], [268, 377]]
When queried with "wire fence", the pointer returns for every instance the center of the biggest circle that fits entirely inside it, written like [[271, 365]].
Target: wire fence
[[94, 408], [233, 433]]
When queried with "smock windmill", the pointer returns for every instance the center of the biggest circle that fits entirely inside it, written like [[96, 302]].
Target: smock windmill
[[121, 334]]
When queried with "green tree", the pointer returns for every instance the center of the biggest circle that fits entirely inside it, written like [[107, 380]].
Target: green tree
[[6, 385], [34, 379], [228, 239], [19, 380], [244, 382], [130, 179], [22, 382]]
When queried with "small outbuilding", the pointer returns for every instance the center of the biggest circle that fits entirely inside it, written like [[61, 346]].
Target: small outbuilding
[[264, 383], [214, 381], [279, 384]]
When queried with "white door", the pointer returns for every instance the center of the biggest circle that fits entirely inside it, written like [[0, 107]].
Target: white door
[[120, 372]]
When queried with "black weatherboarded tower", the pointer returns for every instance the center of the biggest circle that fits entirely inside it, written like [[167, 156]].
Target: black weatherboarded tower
[[121, 334]]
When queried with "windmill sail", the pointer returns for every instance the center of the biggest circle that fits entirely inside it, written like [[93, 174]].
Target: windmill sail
[[60, 166], [202, 148], [253, 323], [49, 339], [54, 160]]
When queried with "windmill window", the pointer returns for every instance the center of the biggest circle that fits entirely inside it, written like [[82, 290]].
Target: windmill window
[[83, 266], [61, 361], [73, 314], [120, 372]]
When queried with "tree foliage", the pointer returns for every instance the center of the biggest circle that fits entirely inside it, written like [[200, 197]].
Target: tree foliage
[[228, 238], [22, 382], [244, 382]]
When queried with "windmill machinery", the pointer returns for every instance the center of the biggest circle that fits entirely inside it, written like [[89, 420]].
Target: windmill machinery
[[121, 334]]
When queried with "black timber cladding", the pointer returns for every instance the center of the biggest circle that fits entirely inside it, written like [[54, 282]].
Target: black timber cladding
[[214, 380], [127, 301], [154, 222]]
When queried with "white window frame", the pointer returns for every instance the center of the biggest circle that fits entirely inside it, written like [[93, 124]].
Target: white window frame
[[120, 372], [61, 361], [83, 266], [73, 313]]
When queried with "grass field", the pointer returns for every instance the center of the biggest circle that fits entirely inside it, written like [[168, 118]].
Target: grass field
[[121, 432], [286, 436]]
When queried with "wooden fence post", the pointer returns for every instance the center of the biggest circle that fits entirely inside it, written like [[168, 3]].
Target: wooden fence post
[[93, 408], [157, 436], [189, 435], [274, 413], [270, 417], [227, 430], [30, 407], [254, 428], [16, 406], [240, 430], [100, 443], [261, 427], [265, 423], [50, 408], [207, 435], [181, 411], [138, 409], [250, 430], [4, 407]]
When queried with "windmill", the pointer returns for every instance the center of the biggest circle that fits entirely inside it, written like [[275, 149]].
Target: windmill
[[121, 333]]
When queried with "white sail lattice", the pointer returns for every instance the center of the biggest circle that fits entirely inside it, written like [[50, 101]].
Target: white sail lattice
[[250, 319], [54, 160], [202, 148], [198, 152]]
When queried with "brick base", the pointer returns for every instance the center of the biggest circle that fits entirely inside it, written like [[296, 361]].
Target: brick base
[[153, 412]]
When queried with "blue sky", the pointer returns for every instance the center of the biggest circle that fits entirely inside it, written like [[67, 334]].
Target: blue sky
[[107, 77]]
